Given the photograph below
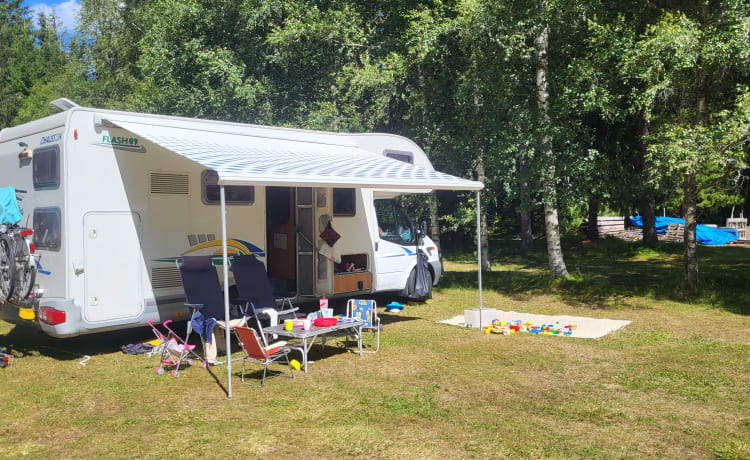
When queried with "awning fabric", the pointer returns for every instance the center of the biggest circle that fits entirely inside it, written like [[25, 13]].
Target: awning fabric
[[259, 160]]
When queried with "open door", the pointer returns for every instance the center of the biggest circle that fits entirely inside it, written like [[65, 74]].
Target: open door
[[305, 241], [280, 234]]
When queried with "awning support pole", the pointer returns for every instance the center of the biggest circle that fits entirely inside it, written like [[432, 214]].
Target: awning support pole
[[479, 259], [226, 287]]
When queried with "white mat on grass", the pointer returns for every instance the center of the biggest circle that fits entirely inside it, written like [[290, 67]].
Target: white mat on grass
[[588, 328]]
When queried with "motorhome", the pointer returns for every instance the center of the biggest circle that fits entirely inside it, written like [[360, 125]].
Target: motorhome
[[115, 199]]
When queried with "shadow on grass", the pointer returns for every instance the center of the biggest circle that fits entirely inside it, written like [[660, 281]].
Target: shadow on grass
[[26, 341], [605, 273]]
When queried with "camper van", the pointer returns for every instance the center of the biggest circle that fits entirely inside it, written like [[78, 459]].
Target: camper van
[[115, 199]]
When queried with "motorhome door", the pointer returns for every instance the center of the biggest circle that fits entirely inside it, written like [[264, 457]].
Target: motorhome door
[[112, 266], [305, 241]]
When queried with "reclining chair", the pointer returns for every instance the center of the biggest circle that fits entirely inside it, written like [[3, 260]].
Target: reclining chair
[[204, 297], [256, 293]]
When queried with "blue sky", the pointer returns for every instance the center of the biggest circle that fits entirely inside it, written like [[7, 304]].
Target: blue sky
[[66, 10]]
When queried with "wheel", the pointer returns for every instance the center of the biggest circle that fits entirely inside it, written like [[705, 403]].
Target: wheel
[[175, 373], [25, 269], [7, 268], [189, 362], [159, 370]]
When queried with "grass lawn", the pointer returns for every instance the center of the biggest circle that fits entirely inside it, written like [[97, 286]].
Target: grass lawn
[[674, 383]]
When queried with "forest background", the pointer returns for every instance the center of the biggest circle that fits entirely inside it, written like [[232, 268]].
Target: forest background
[[565, 109]]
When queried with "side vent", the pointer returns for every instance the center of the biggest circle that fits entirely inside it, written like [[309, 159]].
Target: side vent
[[165, 277], [166, 183]]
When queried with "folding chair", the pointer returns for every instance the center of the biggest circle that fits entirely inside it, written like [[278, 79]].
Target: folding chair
[[257, 353], [203, 294], [367, 312], [255, 290]]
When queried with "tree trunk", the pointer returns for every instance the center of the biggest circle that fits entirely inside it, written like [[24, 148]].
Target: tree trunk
[[485, 244], [522, 170], [427, 145], [690, 185], [648, 202], [648, 214], [690, 189], [592, 230], [557, 268]]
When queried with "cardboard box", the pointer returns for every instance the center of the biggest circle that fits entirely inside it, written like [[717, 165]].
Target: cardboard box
[[472, 317]]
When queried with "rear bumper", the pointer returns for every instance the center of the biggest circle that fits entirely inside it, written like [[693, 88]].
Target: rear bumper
[[26, 313]]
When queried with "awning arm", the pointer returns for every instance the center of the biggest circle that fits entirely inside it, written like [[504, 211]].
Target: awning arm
[[479, 259], [226, 286]]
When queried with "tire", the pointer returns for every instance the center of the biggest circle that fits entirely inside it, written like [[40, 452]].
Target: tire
[[25, 270], [7, 268]]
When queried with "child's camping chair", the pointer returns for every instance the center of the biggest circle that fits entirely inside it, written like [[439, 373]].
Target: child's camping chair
[[367, 312], [257, 353], [255, 290]]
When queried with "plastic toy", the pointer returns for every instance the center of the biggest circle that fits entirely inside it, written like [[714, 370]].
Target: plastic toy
[[6, 359], [394, 307]]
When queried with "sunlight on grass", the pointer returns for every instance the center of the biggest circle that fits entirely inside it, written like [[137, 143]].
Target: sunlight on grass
[[672, 384]]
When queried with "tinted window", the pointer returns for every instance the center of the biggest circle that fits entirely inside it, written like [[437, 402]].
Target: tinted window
[[47, 228], [344, 202], [46, 163], [234, 194]]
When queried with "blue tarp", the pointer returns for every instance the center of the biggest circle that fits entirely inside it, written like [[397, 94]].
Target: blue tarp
[[703, 233], [9, 212]]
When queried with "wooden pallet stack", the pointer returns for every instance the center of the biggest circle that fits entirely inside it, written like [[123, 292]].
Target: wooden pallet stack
[[674, 232]]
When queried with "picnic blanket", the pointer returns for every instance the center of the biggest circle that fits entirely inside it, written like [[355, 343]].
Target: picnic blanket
[[587, 328]]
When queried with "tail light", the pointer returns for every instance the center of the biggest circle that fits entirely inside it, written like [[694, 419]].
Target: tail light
[[51, 316], [26, 232], [32, 248]]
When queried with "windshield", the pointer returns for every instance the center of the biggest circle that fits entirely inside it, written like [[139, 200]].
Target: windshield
[[393, 222]]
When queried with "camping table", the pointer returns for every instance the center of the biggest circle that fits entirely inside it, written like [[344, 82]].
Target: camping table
[[314, 332]]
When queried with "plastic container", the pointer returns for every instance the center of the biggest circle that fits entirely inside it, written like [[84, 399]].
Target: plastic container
[[325, 322]]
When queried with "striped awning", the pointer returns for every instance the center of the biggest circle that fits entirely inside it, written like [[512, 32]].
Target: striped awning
[[268, 160]]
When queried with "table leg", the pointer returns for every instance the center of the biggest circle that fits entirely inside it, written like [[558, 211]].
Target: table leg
[[359, 340], [304, 353]]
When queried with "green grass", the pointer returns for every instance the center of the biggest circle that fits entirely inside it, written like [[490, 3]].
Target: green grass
[[674, 383]]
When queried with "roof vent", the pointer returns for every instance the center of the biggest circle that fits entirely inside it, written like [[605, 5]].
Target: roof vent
[[165, 183], [63, 104]]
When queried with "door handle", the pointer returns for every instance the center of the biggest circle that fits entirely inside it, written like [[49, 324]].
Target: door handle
[[376, 246]]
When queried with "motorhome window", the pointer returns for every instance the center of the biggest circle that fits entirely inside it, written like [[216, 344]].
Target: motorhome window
[[344, 202], [393, 223], [400, 155], [47, 228], [46, 167], [234, 194]]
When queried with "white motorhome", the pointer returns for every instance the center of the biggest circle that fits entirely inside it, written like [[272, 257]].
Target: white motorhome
[[116, 198]]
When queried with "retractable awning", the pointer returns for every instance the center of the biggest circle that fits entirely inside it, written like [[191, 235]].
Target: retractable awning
[[259, 160]]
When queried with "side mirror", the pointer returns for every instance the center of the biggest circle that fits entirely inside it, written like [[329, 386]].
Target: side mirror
[[423, 228]]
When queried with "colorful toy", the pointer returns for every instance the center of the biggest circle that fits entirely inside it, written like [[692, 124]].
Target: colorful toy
[[6, 359]]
